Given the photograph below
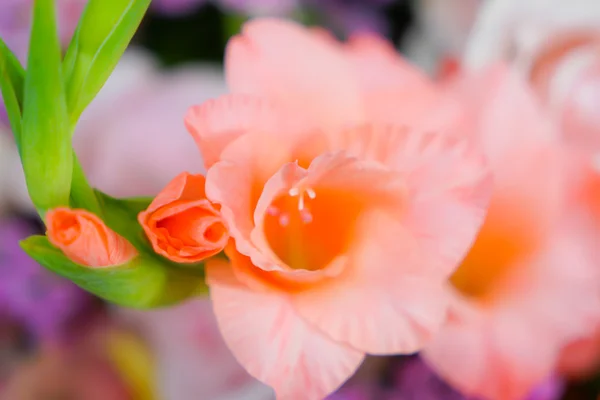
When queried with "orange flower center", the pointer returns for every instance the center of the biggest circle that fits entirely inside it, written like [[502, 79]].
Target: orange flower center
[[502, 242], [308, 228]]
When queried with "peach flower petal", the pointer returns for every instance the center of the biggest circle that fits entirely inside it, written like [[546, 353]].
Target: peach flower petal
[[384, 302], [218, 122], [447, 177], [273, 343], [493, 357], [284, 62], [85, 239], [394, 174], [413, 107], [395, 91], [379, 67], [520, 143], [182, 224], [447, 185]]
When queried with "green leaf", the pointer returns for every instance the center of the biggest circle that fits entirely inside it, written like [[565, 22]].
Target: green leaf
[[233, 24], [12, 80], [46, 151], [104, 31], [142, 283]]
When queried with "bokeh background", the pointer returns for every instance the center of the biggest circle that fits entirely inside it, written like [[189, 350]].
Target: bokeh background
[[57, 342]]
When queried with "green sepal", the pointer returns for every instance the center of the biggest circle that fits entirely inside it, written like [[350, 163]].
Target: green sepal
[[12, 80], [45, 142], [121, 215], [82, 194], [105, 29], [142, 283]]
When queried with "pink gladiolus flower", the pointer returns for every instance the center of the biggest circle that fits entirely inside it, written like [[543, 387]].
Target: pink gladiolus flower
[[347, 213], [528, 285]]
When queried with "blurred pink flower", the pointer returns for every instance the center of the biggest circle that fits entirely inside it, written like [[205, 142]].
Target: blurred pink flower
[[529, 285], [556, 47], [131, 140], [346, 222], [193, 361]]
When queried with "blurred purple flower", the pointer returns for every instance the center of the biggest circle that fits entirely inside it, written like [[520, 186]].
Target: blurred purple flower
[[3, 114], [416, 381], [412, 379], [352, 393], [260, 7], [192, 360], [250, 7], [351, 16], [552, 389], [29, 294], [345, 16], [177, 7], [15, 22]]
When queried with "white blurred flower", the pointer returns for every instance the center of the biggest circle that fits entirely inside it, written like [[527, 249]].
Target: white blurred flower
[[514, 29], [13, 191], [441, 30], [132, 140]]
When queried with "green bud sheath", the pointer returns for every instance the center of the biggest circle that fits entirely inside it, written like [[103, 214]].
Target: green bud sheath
[[104, 31], [12, 79], [45, 142]]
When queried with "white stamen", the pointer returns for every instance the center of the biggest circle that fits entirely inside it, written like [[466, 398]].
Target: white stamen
[[296, 191], [301, 203]]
